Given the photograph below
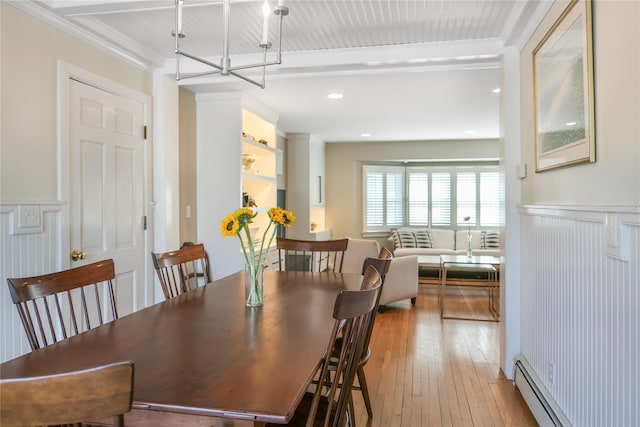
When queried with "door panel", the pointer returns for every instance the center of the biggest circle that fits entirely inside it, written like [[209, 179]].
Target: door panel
[[107, 194]]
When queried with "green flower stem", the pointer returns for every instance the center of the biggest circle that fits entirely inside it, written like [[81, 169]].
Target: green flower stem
[[244, 250], [264, 235]]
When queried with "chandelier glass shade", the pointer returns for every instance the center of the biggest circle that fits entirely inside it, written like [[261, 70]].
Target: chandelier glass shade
[[224, 67]]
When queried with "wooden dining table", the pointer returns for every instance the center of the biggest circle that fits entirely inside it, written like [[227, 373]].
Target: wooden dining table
[[203, 358]]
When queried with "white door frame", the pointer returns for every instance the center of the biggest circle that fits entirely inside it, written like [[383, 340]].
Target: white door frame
[[66, 72]]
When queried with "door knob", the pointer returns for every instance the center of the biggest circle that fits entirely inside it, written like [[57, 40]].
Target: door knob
[[77, 255]]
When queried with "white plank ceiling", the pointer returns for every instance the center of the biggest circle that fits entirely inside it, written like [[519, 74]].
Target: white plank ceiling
[[408, 69]]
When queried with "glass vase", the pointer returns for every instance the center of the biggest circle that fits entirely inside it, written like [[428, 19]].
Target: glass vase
[[254, 285], [469, 253]]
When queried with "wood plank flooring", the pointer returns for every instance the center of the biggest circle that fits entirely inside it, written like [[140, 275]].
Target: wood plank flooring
[[425, 371]]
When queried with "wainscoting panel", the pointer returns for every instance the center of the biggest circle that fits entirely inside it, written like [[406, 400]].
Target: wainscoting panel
[[581, 310], [30, 244]]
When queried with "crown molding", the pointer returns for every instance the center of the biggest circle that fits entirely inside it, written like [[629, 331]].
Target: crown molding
[[35, 10]]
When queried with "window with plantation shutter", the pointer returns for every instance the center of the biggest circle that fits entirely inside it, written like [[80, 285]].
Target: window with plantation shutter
[[491, 196], [441, 199], [466, 197], [432, 196], [383, 204], [418, 182]]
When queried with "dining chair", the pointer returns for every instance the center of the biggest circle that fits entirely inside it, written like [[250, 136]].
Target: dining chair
[[71, 397], [372, 267], [182, 270], [55, 306], [385, 254], [311, 255], [371, 278], [332, 405]]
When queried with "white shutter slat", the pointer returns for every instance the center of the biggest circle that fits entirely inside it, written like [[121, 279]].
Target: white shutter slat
[[418, 183]]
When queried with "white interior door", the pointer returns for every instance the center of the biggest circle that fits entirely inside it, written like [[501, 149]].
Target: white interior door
[[107, 187]]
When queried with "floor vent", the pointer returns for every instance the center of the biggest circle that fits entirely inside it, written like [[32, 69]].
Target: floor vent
[[544, 408]]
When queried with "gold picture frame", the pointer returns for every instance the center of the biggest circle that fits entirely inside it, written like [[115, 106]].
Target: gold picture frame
[[563, 90]]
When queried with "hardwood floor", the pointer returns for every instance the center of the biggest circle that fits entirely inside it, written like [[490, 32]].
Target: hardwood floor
[[425, 371]]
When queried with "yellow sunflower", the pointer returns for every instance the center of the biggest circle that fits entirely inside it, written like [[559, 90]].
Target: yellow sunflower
[[244, 216], [281, 216], [229, 226]]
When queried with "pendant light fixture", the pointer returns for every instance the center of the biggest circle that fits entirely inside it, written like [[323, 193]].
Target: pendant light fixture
[[224, 67]]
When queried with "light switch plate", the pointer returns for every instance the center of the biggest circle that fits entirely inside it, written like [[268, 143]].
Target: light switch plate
[[27, 219], [616, 245], [28, 216]]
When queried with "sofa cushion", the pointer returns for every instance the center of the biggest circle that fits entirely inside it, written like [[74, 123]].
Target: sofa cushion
[[422, 251], [443, 238]]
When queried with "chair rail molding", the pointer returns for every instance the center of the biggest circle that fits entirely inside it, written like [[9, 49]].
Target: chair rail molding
[[27, 217]]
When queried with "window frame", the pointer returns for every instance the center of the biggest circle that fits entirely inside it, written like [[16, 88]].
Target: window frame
[[413, 172]]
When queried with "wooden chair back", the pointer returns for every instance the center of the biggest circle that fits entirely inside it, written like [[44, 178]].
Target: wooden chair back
[[55, 306], [182, 270], [72, 397], [311, 255], [385, 254], [380, 264], [351, 312], [373, 275]]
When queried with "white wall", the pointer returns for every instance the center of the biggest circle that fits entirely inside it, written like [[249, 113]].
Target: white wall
[[166, 179], [30, 50], [219, 192], [509, 158], [188, 185], [614, 179]]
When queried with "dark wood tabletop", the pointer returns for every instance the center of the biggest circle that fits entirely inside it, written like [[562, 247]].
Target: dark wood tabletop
[[203, 353]]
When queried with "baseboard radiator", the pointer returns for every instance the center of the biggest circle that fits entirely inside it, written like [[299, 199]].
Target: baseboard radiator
[[544, 408]]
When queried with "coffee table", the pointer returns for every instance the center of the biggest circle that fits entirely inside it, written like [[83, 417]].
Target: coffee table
[[488, 265], [432, 262]]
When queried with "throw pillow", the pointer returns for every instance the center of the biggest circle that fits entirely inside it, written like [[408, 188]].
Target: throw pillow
[[396, 239], [403, 239], [423, 239], [490, 239]]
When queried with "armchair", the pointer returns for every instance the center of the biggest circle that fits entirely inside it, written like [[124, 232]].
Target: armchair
[[401, 281]]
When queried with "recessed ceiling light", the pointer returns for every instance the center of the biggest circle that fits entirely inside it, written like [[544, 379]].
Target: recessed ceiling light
[[365, 134], [334, 95], [496, 90], [571, 123]]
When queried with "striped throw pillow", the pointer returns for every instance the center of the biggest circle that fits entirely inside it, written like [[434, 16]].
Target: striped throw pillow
[[403, 239], [490, 239], [423, 239]]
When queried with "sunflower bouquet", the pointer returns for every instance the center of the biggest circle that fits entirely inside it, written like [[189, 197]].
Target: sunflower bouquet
[[238, 224]]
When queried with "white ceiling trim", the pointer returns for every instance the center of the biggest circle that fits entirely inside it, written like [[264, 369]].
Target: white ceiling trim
[[369, 60], [44, 15]]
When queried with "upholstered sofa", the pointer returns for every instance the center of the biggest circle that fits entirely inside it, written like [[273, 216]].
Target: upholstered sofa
[[417, 241], [401, 281]]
